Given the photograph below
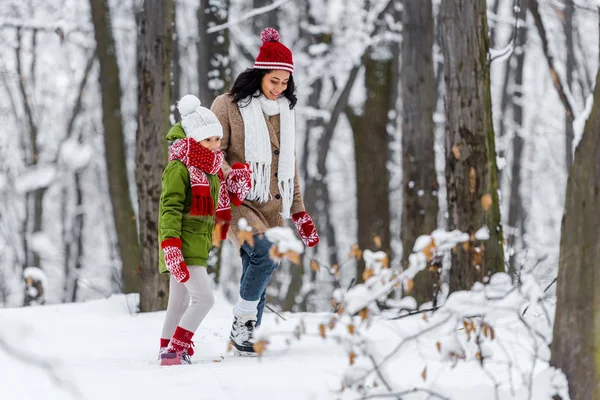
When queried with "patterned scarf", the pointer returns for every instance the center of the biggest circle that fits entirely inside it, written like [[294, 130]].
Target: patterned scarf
[[199, 162]]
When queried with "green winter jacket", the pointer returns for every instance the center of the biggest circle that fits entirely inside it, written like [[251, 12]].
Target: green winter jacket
[[174, 219]]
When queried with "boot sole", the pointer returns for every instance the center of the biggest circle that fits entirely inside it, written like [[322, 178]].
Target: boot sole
[[247, 351]]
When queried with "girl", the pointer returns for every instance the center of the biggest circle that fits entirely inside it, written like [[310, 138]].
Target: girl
[[258, 127], [195, 196]]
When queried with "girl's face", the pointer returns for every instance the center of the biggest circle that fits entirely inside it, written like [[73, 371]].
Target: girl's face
[[274, 83], [212, 143]]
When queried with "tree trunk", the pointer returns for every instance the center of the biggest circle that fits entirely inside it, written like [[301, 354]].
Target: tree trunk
[[154, 79], [214, 72], [576, 342], [371, 152], [570, 68], [516, 212], [114, 147], [419, 182], [264, 20], [471, 171]]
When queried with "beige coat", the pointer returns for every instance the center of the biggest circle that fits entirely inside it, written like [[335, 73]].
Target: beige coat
[[260, 216]]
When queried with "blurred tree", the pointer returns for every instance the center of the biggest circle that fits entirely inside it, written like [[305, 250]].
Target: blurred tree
[[576, 341], [214, 71], [471, 172], [372, 130], [114, 145], [516, 211], [155, 54], [419, 181]]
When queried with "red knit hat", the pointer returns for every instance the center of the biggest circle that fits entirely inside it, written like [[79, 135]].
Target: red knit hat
[[273, 54]]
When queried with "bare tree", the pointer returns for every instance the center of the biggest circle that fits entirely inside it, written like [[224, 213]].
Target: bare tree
[[214, 71], [114, 146], [516, 212], [571, 65], [471, 171], [419, 182], [575, 344], [154, 78], [371, 149]]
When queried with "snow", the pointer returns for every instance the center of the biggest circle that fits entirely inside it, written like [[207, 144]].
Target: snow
[[100, 350], [285, 240], [35, 178], [483, 233], [36, 274]]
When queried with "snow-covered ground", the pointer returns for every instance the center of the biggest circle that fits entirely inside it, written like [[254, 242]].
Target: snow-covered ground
[[100, 350]]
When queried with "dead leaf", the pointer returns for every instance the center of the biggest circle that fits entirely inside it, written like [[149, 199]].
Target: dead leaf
[[410, 284], [364, 314], [367, 273], [355, 252], [438, 345], [293, 257], [352, 358], [332, 323], [229, 346], [424, 374], [340, 310], [425, 317], [456, 151], [245, 236], [429, 250], [492, 333], [385, 262], [377, 241], [472, 180], [260, 347], [486, 201], [322, 330], [351, 329], [478, 356], [335, 270], [274, 254], [216, 236], [314, 265]]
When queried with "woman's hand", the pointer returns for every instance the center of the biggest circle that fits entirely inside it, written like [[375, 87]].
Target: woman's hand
[[306, 228], [239, 183]]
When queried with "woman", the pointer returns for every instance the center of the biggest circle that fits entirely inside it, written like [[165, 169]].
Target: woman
[[258, 128]]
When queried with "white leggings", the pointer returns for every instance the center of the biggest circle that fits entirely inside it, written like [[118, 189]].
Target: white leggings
[[189, 302]]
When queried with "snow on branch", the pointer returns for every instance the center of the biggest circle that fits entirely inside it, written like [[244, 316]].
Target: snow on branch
[[251, 14]]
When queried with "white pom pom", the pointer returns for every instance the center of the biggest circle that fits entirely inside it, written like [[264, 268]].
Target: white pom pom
[[188, 104]]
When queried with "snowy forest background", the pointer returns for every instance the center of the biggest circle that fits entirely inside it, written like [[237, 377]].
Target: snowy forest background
[[56, 211], [377, 82]]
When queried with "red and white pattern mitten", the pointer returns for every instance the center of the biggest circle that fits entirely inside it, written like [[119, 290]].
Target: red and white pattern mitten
[[174, 259], [306, 228], [239, 183]]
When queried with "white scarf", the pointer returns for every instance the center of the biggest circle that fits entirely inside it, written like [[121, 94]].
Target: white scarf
[[258, 148]]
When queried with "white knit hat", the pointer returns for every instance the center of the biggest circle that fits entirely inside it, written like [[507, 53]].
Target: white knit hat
[[198, 122]]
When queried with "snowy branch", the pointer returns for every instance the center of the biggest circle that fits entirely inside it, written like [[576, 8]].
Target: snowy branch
[[247, 16]]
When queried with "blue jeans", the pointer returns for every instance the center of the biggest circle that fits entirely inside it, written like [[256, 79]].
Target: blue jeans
[[257, 268]]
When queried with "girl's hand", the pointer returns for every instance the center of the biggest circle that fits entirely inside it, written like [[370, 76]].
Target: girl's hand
[[174, 259]]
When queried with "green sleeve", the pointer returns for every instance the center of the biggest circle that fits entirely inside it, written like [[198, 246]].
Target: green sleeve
[[175, 182]]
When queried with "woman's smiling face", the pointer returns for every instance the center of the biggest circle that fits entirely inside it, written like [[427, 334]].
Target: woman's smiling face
[[274, 83]]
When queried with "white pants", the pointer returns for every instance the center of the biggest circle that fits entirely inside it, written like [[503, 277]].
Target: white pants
[[189, 302]]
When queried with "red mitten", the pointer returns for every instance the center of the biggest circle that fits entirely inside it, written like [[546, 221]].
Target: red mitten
[[306, 228], [239, 183], [174, 259]]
